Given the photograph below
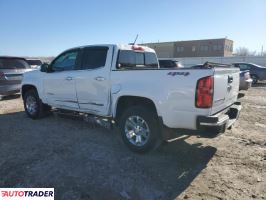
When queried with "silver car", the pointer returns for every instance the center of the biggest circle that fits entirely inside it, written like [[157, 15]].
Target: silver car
[[11, 72]]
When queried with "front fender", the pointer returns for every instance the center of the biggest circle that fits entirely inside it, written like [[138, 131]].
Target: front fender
[[34, 78]]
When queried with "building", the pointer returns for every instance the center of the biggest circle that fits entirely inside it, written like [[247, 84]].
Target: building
[[193, 48]]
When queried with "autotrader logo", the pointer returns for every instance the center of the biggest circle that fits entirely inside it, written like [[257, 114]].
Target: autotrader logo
[[26, 193]]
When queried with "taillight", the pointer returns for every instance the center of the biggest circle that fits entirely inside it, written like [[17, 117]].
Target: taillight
[[204, 92], [2, 74], [247, 76]]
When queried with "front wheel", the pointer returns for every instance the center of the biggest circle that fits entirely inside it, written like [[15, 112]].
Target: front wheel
[[254, 79], [33, 105], [139, 128]]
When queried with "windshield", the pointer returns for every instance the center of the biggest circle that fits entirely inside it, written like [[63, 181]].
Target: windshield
[[13, 63]]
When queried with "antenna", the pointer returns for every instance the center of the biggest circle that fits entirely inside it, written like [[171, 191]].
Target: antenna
[[136, 39]]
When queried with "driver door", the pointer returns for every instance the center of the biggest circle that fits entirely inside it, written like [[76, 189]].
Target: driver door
[[59, 84]]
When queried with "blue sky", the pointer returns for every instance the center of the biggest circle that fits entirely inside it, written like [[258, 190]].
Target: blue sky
[[47, 27]]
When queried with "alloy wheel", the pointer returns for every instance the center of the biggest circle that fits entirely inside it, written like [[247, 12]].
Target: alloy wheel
[[137, 130]]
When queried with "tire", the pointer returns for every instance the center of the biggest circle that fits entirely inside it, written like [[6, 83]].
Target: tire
[[33, 105], [254, 79], [140, 129]]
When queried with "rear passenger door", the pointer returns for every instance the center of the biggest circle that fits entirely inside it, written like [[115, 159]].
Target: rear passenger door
[[93, 80]]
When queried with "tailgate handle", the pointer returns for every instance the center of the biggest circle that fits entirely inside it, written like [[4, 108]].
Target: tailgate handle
[[69, 78], [230, 79], [99, 78]]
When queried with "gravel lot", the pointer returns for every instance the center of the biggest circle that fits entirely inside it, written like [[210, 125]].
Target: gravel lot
[[82, 162]]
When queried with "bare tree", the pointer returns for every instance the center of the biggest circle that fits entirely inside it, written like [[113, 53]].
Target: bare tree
[[243, 51]]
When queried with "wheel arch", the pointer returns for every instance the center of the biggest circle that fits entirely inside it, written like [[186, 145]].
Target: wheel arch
[[126, 101], [26, 88], [252, 75]]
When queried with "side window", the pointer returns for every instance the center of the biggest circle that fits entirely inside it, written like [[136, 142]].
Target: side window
[[244, 67], [94, 57], [66, 61], [250, 66]]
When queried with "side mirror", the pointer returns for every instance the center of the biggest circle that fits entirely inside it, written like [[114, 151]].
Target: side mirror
[[44, 67]]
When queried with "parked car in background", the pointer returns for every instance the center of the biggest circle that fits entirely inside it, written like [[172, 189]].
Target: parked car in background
[[34, 63], [11, 72], [257, 72], [198, 66], [245, 81], [124, 84], [169, 63]]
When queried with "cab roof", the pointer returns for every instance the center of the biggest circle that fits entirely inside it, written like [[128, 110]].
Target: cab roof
[[120, 46]]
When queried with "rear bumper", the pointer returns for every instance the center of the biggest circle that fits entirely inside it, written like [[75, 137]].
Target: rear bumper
[[245, 85], [220, 121], [9, 89]]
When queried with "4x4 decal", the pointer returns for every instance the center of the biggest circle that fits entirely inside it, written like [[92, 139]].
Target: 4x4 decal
[[178, 73]]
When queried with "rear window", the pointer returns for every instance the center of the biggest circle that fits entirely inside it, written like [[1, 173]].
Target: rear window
[[134, 59], [34, 62], [13, 63]]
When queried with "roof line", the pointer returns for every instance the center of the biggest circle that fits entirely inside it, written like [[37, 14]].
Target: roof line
[[186, 41]]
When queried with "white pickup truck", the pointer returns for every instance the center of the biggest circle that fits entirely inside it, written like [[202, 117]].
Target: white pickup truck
[[124, 83]]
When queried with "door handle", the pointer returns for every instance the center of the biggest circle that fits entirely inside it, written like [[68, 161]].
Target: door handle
[[69, 78], [230, 79], [99, 78]]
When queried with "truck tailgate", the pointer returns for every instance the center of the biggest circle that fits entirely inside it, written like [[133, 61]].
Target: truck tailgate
[[226, 86]]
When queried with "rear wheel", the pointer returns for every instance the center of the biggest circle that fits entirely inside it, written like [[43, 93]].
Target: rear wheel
[[33, 105], [254, 79], [140, 129]]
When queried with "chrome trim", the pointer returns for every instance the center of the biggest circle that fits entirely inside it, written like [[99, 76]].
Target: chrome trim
[[92, 103], [68, 101], [220, 122]]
